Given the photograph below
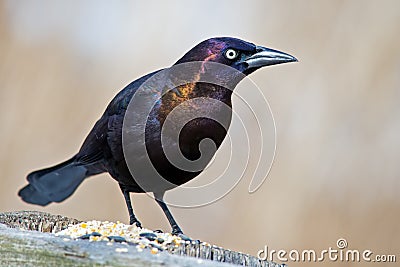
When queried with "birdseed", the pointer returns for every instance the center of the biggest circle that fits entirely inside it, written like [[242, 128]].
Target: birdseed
[[111, 232]]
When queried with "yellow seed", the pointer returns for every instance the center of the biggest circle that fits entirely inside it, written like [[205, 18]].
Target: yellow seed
[[83, 225], [154, 250]]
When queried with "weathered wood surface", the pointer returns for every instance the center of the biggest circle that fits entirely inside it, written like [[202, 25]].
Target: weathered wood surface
[[23, 247]]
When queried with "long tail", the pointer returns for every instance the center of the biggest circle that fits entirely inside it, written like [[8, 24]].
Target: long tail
[[53, 184]]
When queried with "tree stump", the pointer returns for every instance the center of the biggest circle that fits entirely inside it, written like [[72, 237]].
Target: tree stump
[[27, 238]]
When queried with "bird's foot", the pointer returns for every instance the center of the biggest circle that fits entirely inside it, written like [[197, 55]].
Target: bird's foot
[[135, 222], [178, 232], [184, 237]]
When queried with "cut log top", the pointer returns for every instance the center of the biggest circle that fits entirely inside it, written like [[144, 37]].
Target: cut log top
[[19, 247]]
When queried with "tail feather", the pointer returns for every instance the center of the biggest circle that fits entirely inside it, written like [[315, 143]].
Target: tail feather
[[53, 184]]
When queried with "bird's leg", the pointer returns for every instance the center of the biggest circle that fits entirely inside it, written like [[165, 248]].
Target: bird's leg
[[132, 217], [176, 230]]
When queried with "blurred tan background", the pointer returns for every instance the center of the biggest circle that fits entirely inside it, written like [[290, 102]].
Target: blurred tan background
[[337, 112]]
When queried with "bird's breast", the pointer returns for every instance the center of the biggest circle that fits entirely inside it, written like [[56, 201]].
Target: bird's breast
[[188, 128]]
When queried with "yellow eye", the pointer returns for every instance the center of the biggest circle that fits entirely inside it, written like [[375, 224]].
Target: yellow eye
[[231, 54]]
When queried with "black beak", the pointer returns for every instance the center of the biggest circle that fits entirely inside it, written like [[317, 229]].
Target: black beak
[[267, 57]]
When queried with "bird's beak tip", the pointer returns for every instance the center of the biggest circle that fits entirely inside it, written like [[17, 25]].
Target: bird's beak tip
[[267, 57]]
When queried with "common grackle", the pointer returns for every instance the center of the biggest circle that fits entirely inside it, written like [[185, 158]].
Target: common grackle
[[103, 149]]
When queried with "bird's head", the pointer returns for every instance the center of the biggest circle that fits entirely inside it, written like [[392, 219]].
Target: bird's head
[[241, 55]]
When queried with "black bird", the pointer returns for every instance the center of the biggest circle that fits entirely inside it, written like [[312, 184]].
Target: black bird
[[103, 151]]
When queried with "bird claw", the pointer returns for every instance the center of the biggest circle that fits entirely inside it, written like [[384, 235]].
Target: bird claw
[[183, 237], [135, 222]]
